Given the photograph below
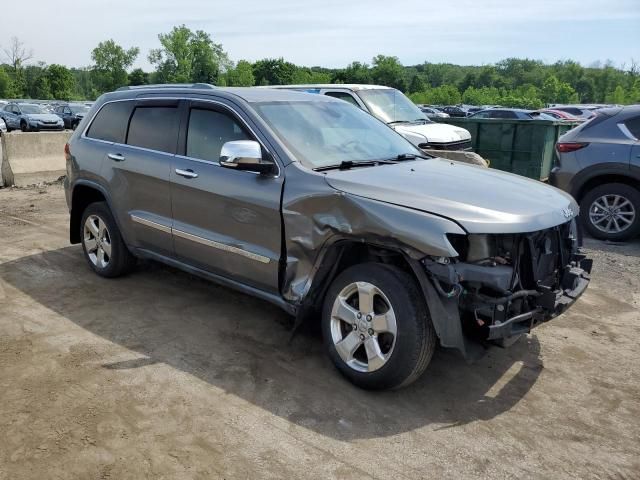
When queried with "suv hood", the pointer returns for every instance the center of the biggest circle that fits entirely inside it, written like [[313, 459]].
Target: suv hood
[[45, 117], [432, 132], [479, 199]]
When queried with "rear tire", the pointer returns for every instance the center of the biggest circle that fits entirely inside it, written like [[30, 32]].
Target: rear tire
[[104, 249], [392, 347], [611, 212]]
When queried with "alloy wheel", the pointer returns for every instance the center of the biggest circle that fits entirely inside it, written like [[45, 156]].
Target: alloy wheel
[[97, 241], [612, 213], [363, 326]]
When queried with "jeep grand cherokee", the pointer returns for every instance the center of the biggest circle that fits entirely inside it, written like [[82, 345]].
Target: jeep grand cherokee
[[322, 209]]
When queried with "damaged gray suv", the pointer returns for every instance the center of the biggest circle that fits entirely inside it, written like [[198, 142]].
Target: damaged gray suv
[[318, 207]]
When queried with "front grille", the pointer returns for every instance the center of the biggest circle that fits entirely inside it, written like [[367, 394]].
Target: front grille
[[460, 145]]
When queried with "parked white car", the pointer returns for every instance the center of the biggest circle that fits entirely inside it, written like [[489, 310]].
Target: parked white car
[[3, 126], [396, 110]]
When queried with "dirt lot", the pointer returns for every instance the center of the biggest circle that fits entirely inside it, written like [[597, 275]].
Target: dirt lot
[[161, 375]]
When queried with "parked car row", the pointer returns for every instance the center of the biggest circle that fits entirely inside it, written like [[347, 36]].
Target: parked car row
[[556, 112], [27, 116]]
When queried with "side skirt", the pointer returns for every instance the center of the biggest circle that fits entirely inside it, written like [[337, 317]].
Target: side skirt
[[220, 280]]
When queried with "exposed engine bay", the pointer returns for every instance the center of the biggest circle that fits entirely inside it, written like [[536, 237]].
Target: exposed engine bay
[[508, 284]]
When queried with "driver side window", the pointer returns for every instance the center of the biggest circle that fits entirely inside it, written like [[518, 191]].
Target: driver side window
[[208, 130]]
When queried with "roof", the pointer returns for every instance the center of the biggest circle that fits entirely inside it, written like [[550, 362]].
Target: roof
[[248, 94], [346, 86]]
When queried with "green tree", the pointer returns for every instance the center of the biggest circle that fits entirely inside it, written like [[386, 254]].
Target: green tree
[[85, 88], [138, 77], [416, 85], [273, 71], [303, 75], [5, 84], [241, 75], [36, 85], [388, 71], [356, 72], [618, 96], [61, 82], [111, 62], [41, 88], [585, 89], [187, 56], [481, 96]]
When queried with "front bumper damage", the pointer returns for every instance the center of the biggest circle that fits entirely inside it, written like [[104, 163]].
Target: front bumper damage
[[517, 283], [549, 304]]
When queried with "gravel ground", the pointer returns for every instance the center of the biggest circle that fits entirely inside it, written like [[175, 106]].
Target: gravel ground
[[161, 375]]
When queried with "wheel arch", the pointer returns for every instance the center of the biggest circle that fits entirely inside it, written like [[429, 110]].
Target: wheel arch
[[344, 253], [590, 178], [83, 194]]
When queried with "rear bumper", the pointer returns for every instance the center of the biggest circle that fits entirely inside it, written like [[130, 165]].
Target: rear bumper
[[549, 304]]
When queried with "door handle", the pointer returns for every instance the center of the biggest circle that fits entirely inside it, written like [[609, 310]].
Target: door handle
[[116, 157], [186, 173]]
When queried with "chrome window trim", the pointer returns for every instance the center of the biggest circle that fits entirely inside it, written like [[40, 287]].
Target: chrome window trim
[[145, 149], [221, 246], [199, 160], [200, 240], [627, 133], [214, 102], [150, 223]]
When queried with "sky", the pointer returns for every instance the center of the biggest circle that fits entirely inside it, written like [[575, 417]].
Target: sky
[[333, 33]]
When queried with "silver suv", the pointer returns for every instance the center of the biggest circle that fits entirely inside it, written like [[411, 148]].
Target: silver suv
[[599, 164], [322, 209]]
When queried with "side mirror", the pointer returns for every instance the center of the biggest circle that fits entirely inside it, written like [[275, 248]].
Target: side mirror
[[245, 155]]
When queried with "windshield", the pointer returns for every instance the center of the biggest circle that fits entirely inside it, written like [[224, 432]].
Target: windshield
[[31, 109], [390, 105], [78, 109], [322, 134]]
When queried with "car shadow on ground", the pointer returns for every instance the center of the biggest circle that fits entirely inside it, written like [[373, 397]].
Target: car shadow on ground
[[241, 345]]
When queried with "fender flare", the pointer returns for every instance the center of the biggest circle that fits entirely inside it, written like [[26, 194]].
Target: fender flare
[[103, 191], [583, 177]]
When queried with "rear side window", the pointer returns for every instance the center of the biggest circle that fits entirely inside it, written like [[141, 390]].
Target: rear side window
[[571, 110], [155, 128], [633, 124], [208, 131], [110, 124], [343, 96]]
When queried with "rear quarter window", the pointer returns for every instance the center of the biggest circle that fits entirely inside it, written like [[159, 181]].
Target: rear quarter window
[[111, 122], [155, 128], [633, 124]]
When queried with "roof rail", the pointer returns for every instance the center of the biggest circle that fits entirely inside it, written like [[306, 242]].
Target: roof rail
[[169, 85]]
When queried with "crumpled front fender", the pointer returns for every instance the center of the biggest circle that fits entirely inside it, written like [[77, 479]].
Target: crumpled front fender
[[315, 215]]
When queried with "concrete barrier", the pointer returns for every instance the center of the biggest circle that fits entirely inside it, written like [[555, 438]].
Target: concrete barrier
[[32, 157], [460, 156]]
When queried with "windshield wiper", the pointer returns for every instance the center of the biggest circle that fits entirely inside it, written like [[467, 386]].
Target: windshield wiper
[[410, 156], [398, 121], [348, 164]]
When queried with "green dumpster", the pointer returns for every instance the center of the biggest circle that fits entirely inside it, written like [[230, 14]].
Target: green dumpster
[[525, 147]]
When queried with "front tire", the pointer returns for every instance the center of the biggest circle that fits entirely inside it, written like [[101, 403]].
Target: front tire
[[104, 249], [611, 212], [24, 127], [376, 327]]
